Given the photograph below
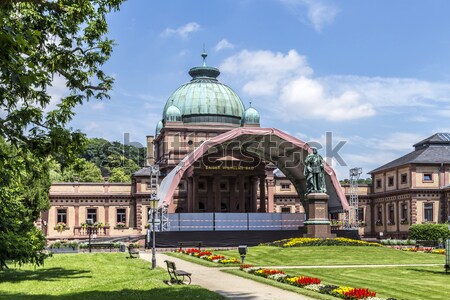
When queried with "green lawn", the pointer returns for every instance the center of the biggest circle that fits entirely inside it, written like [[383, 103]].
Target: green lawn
[[332, 255], [94, 276], [402, 283]]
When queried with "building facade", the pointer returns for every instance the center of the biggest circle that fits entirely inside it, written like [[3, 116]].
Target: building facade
[[413, 189]]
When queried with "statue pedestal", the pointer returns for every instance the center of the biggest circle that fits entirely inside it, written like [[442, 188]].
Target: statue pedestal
[[318, 224]]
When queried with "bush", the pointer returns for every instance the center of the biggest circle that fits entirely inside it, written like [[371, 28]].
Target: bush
[[299, 242], [429, 232]]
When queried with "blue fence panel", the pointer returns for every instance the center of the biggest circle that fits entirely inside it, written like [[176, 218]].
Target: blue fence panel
[[264, 221], [231, 221], [292, 221], [196, 222], [234, 221]]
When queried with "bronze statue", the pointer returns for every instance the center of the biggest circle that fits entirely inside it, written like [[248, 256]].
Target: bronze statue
[[314, 173]]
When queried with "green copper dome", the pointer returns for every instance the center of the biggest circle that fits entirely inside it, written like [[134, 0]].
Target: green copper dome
[[173, 114], [159, 126], [205, 99], [251, 116]]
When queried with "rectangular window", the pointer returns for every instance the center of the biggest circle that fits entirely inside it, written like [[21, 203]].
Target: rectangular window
[[92, 214], [285, 209], [391, 220], [428, 212], [361, 214], [378, 184], [427, 177], [121, 215], [285, 186], [379, 215], [62, 215], [404, 213], [391, 181], [404, 178]]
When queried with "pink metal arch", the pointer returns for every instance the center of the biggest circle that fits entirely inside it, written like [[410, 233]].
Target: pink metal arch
[[171, 181]]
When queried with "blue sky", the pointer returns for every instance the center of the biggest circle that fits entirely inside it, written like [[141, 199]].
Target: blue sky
[[374, 73]]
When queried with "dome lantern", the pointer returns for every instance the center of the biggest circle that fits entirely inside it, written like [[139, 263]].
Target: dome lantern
[[205, 100]]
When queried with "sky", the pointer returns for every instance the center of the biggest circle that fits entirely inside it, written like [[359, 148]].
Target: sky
[[373, 76]]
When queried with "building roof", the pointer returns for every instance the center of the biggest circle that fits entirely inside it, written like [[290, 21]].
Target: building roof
[[205, 99], [145, 171], [251, 116], [432, 150]]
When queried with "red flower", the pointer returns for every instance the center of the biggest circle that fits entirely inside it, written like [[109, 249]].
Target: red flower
[[359, 293], [304, 280]]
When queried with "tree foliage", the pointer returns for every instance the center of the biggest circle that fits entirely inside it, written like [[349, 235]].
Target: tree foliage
[[429, 232], [41, 41], [24, 188]]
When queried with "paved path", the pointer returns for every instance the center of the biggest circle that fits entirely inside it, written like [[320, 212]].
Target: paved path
[[230, 286]]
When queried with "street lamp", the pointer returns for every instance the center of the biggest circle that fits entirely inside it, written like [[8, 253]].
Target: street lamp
[[89, 223], [154, 204]]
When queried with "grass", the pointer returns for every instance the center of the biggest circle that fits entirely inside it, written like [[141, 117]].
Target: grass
[[198, 261], [332, 255], [94, 276], [402, 283]]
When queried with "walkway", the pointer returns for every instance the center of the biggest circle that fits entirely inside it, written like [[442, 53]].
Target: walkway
[[230, 286]]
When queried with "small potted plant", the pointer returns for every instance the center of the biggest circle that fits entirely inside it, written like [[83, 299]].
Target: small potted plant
[[121, 225], [60, 226]]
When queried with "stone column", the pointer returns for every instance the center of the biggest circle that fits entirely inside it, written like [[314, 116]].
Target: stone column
[[233, 201], [217, 194], [241, 194], [209, 206], [318, 225], [138, 224], [254, 194], [190, 189], [195, 194], [262, 193], [271, 195]]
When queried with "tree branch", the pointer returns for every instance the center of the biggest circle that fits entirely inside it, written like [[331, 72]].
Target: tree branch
[[50, 5]]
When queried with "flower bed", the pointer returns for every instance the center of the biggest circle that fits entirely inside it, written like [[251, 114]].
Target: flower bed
[[313, 284], [209, 256], [300, 242]]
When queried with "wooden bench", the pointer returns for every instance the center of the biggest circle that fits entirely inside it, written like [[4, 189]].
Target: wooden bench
[[134, 252], [197, 244], [109, 246], [177, 276]]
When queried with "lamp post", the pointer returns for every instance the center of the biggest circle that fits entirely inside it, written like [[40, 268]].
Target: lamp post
[[154, 202], [89, 223]]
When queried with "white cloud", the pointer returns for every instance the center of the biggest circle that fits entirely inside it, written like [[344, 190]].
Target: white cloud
[[182, 31], [318, 13], [264, 71], [285, 83], [399, 142], [98, 106], [224, 44], [309, 95], [391, 91]]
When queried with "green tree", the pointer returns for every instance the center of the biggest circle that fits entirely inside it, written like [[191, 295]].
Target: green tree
[[40, 41], [24, 188], [119, 175], [83, 171]]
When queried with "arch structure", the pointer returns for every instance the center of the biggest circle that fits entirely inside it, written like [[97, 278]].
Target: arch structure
[[259, 145]]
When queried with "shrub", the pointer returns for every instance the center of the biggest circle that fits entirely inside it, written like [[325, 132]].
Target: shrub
[[299, 242], [429, 232]]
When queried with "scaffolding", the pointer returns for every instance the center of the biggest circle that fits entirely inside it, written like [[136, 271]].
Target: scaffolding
[[352, 216], [162, 221]]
